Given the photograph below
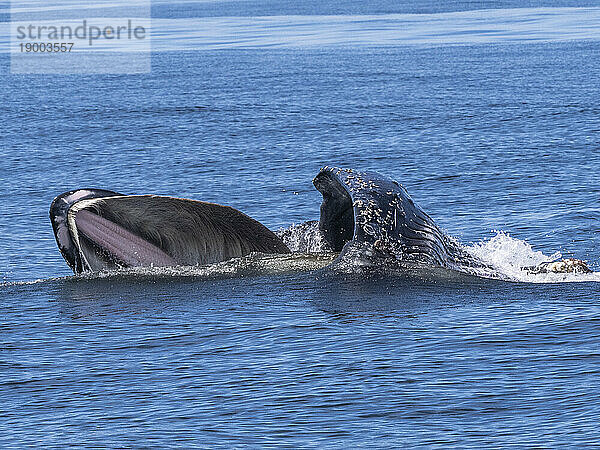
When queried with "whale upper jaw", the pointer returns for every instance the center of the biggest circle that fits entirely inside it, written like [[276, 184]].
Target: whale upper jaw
[[374, 214]]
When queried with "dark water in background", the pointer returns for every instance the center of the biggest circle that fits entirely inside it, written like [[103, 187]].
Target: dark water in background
[[241, 8], [484, 137]]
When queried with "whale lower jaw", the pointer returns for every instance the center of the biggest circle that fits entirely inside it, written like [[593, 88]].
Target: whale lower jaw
[[102, 230]]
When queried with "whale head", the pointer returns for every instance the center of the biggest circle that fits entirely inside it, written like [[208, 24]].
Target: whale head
[[367, 210]]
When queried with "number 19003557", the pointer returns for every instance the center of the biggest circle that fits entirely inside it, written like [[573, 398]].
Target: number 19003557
[[43, 47]]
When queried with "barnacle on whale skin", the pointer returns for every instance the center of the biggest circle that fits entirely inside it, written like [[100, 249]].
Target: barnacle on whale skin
[[569, 265]]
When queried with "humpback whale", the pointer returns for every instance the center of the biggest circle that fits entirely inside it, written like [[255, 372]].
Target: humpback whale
[[363, 216]]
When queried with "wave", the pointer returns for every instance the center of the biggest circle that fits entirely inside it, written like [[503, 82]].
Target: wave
[[519, 25], [31, 282], [465, 27], [505, 256]]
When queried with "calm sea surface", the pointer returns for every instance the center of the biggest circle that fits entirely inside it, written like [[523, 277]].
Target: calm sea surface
[[495, 132]]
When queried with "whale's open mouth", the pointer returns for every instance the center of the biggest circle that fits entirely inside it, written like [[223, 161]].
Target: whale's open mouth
[[103, 230], [366, 218], [106, 243], [91, 241], [66, 240]]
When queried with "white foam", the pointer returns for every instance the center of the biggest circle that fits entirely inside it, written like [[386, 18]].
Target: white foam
[[505, 255], [7, 283], [508, 255], [252, 264]]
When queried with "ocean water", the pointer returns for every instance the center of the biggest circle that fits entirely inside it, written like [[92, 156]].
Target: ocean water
[[489, 118]]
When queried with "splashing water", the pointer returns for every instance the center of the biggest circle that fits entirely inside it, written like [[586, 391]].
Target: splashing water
[[507, 257], [304, 238]]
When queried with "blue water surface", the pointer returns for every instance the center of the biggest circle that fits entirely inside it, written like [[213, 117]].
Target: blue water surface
[[484, 137]]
